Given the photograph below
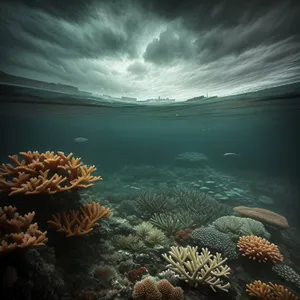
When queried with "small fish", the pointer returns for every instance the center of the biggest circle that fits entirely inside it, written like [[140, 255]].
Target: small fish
[[135, 188], [80, 140], [231, 154]]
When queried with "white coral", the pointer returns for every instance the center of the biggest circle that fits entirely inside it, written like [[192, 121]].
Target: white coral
[[195, 268]]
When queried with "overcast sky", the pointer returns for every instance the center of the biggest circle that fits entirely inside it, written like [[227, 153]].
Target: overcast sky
[[145, 49]]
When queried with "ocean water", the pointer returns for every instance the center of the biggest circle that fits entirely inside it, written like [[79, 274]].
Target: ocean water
[[153, 158]]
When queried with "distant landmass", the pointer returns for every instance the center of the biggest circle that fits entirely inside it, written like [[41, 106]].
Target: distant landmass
[[289, 90], [200, 98], [57, 87]]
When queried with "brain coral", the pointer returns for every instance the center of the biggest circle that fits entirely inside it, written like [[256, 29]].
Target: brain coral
[[148, 289], [237, 226]]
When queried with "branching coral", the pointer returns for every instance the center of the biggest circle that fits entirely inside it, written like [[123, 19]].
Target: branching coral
[[46, 173], [16, 231], [80, 222], [195, 268], [150, 235], [259, 249], [167, 222], [150, 203], [269, 291], [201, 207], [129, 242], [146, 236]]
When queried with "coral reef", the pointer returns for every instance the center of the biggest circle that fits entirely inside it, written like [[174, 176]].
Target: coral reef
[[150, 210], [195, 268]]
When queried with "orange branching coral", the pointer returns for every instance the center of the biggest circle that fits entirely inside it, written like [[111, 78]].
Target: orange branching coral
[[269, 291], [263, 215], [16, 231], [259, 249], [47, 173], [11, 221], [80, 222]]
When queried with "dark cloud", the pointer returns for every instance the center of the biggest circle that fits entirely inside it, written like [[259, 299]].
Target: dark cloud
[[77, 10], [220, 30], [137, 68], [172, 44], [170, 48]]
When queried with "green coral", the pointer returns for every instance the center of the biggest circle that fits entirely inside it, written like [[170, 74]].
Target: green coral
[[167, 222], [237, 226], [149, 203], [147, 236], [130, 242], [150, 235], [212, 238], [287, 273]]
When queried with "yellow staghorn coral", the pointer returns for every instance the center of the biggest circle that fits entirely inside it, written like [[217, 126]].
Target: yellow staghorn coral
[[45, 173], [259, 249], [263, 215], [80, 222], [195, 268], [269, 291], [16, 231]]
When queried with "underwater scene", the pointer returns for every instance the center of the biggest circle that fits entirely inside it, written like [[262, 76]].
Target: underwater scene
[[146, 185]]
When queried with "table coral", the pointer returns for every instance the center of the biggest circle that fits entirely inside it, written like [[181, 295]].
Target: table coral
[[263, 215]]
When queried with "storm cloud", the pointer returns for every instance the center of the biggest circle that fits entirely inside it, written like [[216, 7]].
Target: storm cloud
[[145, 49]]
